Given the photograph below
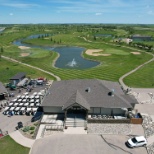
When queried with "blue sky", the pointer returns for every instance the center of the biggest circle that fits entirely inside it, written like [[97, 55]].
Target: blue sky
[[77, 11]]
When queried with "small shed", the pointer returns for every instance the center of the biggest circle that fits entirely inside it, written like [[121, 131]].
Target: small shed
[[17, 78], [3, 91], [22, 82]]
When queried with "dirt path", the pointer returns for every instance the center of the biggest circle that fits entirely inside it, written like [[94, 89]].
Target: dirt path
[[16, 61]]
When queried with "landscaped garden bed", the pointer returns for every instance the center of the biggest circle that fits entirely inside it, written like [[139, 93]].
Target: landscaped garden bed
[[29, 130]]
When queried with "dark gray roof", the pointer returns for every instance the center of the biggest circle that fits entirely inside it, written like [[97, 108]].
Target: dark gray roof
[[76, 98], [2, 89], [62, 91], [18, 76]]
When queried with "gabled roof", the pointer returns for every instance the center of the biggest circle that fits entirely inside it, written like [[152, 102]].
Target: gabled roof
[[98, 96], [18, 76], [76, 98], [2, 89]]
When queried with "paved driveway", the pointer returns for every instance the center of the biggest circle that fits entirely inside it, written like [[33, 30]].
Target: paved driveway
[[145, 108], [9, 123], [84, 144]]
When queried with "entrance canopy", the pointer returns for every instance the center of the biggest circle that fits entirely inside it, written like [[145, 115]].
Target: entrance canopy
[[76, 100]]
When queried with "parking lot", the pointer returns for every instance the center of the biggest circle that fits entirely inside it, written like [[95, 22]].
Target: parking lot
[[9, 123], [81, 144]]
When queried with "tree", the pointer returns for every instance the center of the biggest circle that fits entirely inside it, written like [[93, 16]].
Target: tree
[[51, 39], [95, 38], [2, 50], [150, 47]]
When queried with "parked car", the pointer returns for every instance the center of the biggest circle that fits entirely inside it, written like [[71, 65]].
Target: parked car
[[20, 125], [36, 116], [136, 142], [39, 82], [1, 135]]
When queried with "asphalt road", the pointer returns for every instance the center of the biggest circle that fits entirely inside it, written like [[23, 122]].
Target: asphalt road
[[84, 144]]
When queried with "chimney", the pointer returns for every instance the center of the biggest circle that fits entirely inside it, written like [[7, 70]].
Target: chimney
[[112, 92]]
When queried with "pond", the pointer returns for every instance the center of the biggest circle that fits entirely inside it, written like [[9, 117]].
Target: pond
[[69, 57], [142, 38], [103, 35]]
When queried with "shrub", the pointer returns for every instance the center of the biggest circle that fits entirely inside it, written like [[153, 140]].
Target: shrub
[[35, 124], [26, 129], [32, 128]]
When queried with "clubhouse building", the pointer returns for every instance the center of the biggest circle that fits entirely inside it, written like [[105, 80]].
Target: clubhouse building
[[87, 97]]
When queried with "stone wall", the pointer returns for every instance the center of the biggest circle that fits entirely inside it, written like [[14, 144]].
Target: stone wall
[[108, 120]]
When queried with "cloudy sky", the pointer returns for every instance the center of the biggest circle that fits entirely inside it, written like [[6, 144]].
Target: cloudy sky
[[76, 11]]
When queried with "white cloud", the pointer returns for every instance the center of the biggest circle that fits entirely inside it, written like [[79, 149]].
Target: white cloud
[[150, 12], [11, 14], [98, 14], [20, 5]]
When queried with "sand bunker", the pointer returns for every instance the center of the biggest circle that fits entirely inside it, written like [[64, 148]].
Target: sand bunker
[[24, 54], [23, 47], [136, 53], [94, 52]]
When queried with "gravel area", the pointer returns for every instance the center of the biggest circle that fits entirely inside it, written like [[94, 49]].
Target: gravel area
[[123, 129], [150, 149], [148, 126]]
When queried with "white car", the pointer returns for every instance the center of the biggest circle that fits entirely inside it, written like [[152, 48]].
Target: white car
[[137, 141]]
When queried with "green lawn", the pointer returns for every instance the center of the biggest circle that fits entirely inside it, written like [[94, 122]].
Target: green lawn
[[111, 67], [9, 69], [138, 80], [9, 146]]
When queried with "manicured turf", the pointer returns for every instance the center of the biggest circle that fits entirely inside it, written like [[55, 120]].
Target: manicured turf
[[9, 69], [111, 68], [138, 80], [9, 146]]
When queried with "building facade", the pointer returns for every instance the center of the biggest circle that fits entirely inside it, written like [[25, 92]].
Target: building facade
[[88, 96]]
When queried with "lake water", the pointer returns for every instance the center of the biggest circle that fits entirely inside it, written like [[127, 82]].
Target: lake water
[[70, 57], [142, 38], [103, 35]]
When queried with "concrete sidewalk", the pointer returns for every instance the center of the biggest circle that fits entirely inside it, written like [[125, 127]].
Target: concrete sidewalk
[[19, 138], [75, 130], [39, 133]]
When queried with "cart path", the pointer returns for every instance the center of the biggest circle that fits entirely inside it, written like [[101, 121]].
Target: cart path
[[19, 138], [125, 75], [134, 70], [16, 61]]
